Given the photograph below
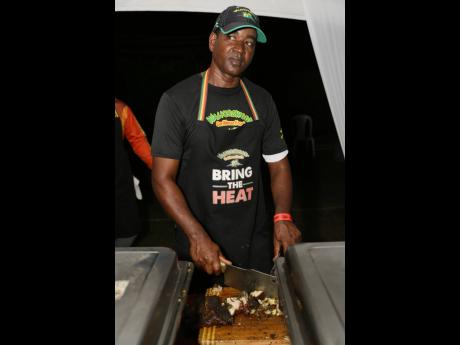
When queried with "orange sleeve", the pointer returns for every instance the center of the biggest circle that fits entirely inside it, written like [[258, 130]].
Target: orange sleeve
[[135, 135]]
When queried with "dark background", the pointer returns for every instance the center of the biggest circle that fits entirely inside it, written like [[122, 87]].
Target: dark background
[[155, 50]]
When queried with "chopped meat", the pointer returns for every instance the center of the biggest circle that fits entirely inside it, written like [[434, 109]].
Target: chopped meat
[[215, 290], [214, 313], [253, 303], [217, 311], [258, 294], [234, 304], [268, 306]]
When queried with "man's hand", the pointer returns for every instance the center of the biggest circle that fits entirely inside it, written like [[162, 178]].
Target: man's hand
[[285, 235], [207, 255], [285, 232]]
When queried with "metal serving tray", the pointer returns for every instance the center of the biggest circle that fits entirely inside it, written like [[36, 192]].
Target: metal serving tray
[[312, 292], [151, 287]]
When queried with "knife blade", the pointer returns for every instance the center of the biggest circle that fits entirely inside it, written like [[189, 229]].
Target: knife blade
[[250, 280]]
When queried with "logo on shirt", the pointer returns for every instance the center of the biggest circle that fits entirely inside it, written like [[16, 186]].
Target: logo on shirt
[[232, 186], [228, 118], [234, 156]]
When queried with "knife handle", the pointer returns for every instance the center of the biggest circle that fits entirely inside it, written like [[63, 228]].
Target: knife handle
[[223, 267]]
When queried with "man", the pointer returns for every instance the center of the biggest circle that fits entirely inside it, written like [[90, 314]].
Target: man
[[127, 218], [211, 132]]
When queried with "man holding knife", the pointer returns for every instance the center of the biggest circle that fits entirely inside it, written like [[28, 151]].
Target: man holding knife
[[211, 133]]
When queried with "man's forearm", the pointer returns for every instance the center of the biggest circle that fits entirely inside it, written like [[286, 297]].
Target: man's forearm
[[281, 185], [172, 199], [285, 233]]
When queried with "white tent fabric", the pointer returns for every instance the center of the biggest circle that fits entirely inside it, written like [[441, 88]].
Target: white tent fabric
[[326, 24], [292, 9]]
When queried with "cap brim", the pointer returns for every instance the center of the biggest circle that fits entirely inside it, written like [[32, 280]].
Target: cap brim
[[261, 38]]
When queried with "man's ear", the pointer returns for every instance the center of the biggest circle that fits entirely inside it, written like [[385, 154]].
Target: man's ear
[[212, 41]]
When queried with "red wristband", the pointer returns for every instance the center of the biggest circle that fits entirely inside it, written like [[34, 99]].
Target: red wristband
[[282, 216]]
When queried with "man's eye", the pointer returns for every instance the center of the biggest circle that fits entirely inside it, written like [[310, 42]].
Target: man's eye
[[232, 37], [250, 43]]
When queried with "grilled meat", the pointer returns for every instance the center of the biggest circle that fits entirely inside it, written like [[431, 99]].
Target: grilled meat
[[215, 313]]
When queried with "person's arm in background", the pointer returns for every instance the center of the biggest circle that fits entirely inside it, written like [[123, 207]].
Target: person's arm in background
[[134, 133], [286, 232]]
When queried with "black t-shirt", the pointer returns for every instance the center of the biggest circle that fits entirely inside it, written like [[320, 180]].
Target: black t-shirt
[[178, 109], [220, 157]]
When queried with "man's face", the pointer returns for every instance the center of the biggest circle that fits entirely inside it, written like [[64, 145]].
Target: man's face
[[233, 53]]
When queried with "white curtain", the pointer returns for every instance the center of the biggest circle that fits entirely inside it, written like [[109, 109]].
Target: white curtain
[[326, 24], [292, 9]]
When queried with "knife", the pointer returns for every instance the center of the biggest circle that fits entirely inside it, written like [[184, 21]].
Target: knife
[[250, 280]]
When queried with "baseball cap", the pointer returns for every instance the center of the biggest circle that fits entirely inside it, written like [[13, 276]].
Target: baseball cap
[[236, 17]]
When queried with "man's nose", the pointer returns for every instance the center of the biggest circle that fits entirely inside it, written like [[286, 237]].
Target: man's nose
[[238, 46]]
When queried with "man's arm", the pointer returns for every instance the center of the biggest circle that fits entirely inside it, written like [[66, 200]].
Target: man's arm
[[204, 252], [285, 232]]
